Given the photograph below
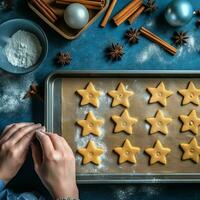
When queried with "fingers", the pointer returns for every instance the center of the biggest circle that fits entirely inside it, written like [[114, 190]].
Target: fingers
[[66, 145], [10, 130], [46, 144], [6, 129], [26, 140], [36, 154], [21, 132], [56, 141]]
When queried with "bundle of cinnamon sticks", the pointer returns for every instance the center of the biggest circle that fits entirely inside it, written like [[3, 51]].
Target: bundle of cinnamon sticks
[[90, 4], [46, 10], [130, 12]]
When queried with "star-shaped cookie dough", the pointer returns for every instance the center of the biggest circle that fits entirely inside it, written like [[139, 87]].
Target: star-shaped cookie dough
[[159, 123], [91, 153], [124, 122], [89, 95], [191, 150], [190, 95], [120, 96], [127, 152], [158, 153], [90, 125], [159, 94], [190, 122]]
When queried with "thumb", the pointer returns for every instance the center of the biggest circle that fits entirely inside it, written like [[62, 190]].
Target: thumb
[[36, 155]]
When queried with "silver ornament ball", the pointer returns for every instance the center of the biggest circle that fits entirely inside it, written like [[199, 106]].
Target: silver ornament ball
[[179, 12], [76, 16]]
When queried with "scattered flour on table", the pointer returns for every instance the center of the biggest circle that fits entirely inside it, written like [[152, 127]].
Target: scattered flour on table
[[12, 91], [154, 51], [23, 49], [132, 192]]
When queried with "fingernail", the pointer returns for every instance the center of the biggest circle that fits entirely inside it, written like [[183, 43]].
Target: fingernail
[[43, 128], [38, 132], [38, 124]]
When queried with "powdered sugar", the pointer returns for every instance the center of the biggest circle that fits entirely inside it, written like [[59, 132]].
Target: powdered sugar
[[23, 49]]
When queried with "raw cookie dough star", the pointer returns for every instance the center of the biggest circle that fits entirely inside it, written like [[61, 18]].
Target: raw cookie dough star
[[190, 95], [127, 152], [120, 96], [90, 125], [158, 153], [190, 122], [191, 150], [91, 153], [159, 123], [89, 95], [159, 94], [124, 122]]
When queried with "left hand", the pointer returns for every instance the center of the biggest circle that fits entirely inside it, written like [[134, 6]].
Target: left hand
[[14, 144]]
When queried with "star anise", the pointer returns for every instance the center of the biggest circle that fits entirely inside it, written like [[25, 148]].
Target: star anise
[[132, 35], [115, 52], [33, 92], [63, 58], [150, 6], [198, 23], [197, 12], [180, 38], [6, 4]]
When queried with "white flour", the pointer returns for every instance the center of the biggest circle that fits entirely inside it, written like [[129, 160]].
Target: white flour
[[12, 92], [23, 49]]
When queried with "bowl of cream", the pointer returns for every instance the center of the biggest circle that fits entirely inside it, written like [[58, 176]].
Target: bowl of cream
[[23, 46]]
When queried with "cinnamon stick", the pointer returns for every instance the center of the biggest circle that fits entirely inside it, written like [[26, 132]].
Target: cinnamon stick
[[125, 9], [46, 10], [133, 17], [92, 3], [154, 38], [89, 4], [125, 16], [108, 13]]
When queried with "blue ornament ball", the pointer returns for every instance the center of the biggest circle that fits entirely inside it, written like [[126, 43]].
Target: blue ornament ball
[[179, 12]]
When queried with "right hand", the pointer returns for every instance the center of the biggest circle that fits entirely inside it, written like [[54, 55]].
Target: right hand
[[54, 163]]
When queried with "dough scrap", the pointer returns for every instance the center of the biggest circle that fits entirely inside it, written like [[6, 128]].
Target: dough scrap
[[159, 123], [127, 152], [159, 94], [191, 150], [89, 95], [120, 96], [91, 153], [158, 153], [190, 95], [190, 122], [90, 125], [124, 122]]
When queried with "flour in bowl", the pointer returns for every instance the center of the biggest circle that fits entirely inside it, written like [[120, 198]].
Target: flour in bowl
[[23, 49]]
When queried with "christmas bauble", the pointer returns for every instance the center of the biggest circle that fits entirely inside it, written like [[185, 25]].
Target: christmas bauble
[[76, 16], [179, 12]]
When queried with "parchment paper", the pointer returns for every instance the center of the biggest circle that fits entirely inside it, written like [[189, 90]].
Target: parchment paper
[[139, 108]]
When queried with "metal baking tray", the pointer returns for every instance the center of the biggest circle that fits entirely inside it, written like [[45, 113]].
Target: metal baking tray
[[53, 118]]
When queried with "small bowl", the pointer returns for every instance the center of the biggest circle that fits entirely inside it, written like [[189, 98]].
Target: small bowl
[[7, 29]]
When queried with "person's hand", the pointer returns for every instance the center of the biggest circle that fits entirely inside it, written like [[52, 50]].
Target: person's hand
[[54, 163], [14, 144]]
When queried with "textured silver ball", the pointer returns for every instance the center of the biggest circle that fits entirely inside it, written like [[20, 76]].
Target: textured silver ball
[[179, 12], [76, 15]]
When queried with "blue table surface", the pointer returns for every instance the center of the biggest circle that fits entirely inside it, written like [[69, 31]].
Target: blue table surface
[[88, 53]]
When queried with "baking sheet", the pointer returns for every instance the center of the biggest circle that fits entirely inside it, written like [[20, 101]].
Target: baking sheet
[[109, 170]]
